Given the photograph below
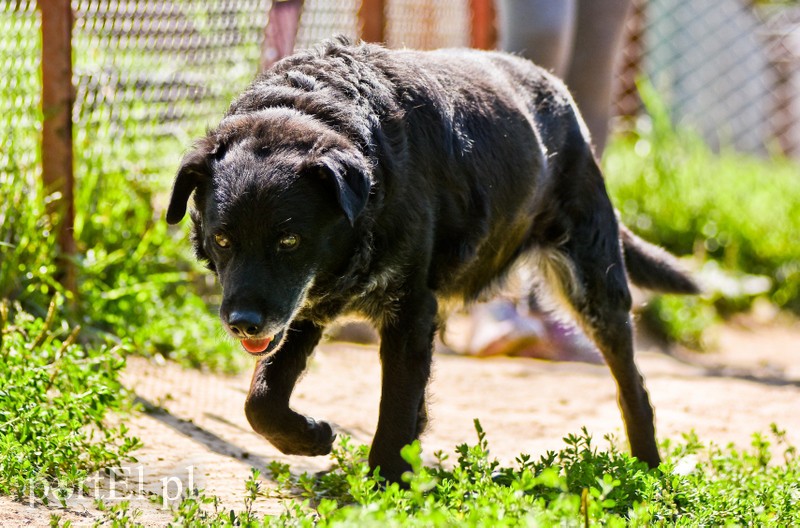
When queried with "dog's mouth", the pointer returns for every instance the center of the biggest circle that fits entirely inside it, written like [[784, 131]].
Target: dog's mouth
[[262, 346]]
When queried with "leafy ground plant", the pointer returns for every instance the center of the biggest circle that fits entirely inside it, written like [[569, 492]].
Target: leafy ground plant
[[56, 401], [579, 485]]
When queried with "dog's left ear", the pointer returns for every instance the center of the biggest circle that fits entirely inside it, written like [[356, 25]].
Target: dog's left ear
[[350, 178], [193, 171]]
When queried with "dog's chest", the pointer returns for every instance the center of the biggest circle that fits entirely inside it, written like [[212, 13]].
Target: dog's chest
[[378, 297]]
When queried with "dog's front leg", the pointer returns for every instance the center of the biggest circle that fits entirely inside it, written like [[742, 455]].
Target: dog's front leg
[[406, 345], [267, 406]]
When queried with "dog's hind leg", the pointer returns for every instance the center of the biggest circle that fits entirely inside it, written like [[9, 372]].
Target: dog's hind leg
[[600, 301], [267, 405], [588, 275]]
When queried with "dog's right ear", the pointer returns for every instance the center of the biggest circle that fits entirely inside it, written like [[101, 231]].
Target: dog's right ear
[[348, 173], [194, 170]]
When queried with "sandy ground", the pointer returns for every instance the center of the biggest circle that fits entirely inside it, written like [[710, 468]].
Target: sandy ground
[[198, 436]]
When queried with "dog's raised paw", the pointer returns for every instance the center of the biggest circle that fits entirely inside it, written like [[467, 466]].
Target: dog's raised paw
[[315, 439], [324, 437]]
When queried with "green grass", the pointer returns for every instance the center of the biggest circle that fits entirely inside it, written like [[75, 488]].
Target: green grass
[[61, 401], [696, 485], [738, 211], [136, 278], [58, 404], [62, 407]]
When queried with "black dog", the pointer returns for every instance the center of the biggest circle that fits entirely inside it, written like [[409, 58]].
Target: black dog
[[355, 179]]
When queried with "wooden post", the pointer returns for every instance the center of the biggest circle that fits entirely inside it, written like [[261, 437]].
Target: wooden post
[[281, 31], [484, 30], [372, 20], [58, 98]]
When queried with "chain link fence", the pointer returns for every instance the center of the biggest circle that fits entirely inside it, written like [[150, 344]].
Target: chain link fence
[[729, 69], [322, 18], [428, 24], [151, 74], [20, 90], [20, 129]]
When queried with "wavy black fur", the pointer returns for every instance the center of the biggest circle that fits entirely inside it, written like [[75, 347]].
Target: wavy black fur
[[355, 179]]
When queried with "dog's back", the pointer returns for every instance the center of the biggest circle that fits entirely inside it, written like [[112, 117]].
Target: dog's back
[[467, 150]]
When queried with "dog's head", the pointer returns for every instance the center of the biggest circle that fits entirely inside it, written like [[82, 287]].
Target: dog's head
[[277, 195]]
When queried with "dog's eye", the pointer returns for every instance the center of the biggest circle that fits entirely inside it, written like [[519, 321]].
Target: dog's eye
[[222, 241], [289, 242]]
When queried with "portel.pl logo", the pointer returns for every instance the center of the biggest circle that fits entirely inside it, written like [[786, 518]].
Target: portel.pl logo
[[115, 484]]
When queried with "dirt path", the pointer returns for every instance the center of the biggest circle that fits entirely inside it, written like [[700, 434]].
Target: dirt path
[[202, 437]]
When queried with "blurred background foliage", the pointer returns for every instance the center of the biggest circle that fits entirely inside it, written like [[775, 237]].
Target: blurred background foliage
[[736, 214]]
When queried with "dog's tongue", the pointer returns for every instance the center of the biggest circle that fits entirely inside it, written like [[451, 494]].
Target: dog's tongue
[[256, 346]]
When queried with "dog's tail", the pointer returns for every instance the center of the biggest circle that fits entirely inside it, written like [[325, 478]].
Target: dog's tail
[[653, 268]]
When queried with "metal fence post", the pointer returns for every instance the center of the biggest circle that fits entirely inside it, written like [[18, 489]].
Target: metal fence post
[[57, 101]]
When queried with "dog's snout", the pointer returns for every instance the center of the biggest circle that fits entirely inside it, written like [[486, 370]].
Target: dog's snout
[[245, 323]]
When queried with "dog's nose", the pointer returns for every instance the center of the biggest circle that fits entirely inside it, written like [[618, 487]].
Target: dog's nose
[[245, 323]]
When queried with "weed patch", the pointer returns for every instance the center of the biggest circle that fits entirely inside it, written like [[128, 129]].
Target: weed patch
[[56, 398], [697, 485]]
